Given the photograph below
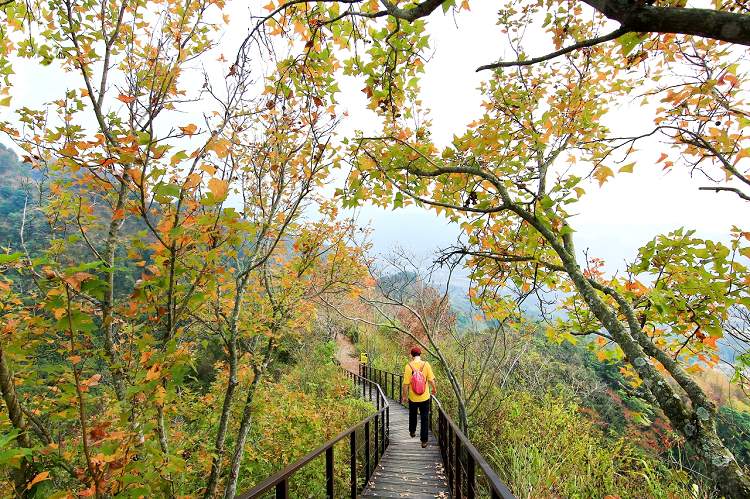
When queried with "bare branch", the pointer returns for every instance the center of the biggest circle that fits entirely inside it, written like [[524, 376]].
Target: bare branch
[[583, 44]]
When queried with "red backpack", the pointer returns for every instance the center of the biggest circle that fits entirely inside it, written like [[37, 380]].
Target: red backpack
[[418, 382]]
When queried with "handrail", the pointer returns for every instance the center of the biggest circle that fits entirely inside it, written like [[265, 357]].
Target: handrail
[[460, 457], [381, 434]]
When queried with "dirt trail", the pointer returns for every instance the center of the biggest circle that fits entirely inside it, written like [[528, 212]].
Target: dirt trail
[[346, 353]]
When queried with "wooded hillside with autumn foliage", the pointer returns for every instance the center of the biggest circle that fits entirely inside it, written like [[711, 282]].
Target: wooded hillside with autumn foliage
[[182, 269]]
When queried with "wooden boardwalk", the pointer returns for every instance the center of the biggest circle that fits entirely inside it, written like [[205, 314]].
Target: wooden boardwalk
[[406, 469]]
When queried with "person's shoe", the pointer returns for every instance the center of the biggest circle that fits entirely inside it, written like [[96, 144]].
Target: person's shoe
[[424, 444], [413, 435]]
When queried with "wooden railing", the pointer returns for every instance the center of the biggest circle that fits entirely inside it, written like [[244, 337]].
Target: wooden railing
[[461, 459], [375, 430]]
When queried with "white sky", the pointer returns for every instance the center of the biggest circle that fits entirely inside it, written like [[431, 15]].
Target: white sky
[[613, 221]]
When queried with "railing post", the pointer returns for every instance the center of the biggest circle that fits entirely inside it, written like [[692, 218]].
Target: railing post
[[449, 461], [369, 384], [375, 436], [443, 433], [383, 422], [432, 428], [282, 489], [353, 463], [329, 472], [470, 476], [457, 457], [367, 451], [388, 426]]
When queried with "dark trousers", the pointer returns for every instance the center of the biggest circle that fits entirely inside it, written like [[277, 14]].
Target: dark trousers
[[424, 418]]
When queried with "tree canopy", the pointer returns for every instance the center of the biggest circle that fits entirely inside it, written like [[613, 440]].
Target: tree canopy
[[216, 174]]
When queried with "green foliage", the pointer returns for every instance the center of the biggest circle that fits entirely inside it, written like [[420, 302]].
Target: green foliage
[[309, 404], [733, 427], [542, 447]]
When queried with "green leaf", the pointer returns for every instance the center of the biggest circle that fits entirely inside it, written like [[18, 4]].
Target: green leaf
[[447, 5], [10, 258], [398, 200], [629, 41], [627, 168], [169, 190]]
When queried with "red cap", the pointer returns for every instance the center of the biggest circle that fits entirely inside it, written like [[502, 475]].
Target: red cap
[[416, 351]]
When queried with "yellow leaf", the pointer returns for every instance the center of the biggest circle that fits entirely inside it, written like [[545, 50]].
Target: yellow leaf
[[44, 475], [627, 168], [193, 180], [602, 173], [218, 188], [220, 147]]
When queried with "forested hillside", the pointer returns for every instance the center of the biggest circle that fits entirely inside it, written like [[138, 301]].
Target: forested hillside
[[19, 189], [184, 280]]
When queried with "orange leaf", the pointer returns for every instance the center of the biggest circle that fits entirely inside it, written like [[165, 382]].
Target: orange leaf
[[710, 341], [193, 180], [44, 475], [127, 99], [93, 380], [189, 129], [220, 147], [154, 372], [662, 158], [88, 492], [218, 187], [731, 79]]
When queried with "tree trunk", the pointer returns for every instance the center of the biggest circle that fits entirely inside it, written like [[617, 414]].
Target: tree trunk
[[213, 479], [15, 414], [239, 447], [696, 424], [115, 368]]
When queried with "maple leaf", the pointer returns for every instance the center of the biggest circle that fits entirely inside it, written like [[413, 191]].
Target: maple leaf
[[44, 475], [193, 180], [189, 129], [710, 341], [154, 372], [219, 188], [127, 99], [602, 173]]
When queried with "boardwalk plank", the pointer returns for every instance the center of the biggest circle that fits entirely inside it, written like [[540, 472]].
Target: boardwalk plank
[[406, 470]]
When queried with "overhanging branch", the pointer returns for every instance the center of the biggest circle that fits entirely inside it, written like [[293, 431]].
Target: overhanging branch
[[583, 44]]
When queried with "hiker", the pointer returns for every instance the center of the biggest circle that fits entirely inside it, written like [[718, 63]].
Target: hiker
[[417, 374]]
